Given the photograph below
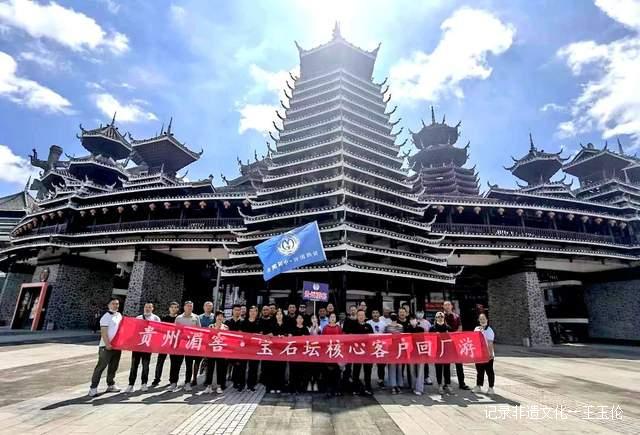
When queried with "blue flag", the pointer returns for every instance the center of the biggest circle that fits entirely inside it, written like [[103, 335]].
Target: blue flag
[[293, 249]]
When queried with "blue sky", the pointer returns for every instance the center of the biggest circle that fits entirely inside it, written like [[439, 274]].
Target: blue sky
[[566, 71]]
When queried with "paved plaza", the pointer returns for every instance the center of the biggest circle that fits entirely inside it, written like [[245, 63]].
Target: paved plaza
[[570, 389]]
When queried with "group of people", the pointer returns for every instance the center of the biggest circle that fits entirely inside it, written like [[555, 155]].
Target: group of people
[[292, 377]]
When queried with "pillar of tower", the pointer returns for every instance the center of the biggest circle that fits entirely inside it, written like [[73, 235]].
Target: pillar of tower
[[516, 309], [16, 276], [153, 279], [78, 287]]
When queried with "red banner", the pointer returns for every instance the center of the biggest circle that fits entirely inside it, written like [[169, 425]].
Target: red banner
[[159, 337]]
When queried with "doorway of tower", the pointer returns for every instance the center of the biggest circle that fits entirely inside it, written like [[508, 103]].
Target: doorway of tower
[[31, 306]]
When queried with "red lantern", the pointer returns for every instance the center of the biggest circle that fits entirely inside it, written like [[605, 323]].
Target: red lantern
[[202, 204], [187, 204], [134, 207], [167, 205], [152, 206], [226, 204], [120, 209], [105, 210]]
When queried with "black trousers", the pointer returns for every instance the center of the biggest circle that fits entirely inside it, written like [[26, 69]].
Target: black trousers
[[176, 364], [195, 362], [426, 371], [460, 374], [380, 369], [367, 376], [252, 375], [332, 375], [107, 359], [298, 377], [220, 366], [159, 366], [239, 374], [273, 374], [488, 369], [446, 368], [136, 359]]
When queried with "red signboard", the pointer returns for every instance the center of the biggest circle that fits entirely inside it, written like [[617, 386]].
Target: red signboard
[[159, 337]]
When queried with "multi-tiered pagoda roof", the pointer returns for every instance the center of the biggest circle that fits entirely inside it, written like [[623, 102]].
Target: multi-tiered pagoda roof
[[336, 161], [439, 163]]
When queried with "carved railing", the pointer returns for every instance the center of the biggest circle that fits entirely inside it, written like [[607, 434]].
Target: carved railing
[[524, 232]]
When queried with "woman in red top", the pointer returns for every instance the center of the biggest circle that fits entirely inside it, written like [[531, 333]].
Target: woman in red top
[[332, 373]]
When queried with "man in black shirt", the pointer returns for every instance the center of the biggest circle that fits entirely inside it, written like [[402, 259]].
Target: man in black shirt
[[403, 318], [351, 321], [290, 318], [235, 323], [174, 308], [252, 325], [266, 320], [362, 327], [302, 309]]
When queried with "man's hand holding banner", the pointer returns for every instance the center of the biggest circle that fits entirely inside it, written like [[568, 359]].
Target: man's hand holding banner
[[159, 337]]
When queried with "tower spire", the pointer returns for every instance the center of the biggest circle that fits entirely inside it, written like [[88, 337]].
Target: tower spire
[[336, 30], [532, 146], [433, 116], [113, 120]]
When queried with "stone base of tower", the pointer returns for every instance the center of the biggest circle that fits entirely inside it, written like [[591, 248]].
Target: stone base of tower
[[154, 280], [613, 310], [16, 276], [79, 287], [516, 307]]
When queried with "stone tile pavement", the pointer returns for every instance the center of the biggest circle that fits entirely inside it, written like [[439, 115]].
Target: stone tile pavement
[[47, 394]]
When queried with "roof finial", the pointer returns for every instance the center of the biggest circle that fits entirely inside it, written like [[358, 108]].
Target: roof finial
[[336, 30], [620, 150], [169, 127], [433, 116], [533, 147], [113, 121], [443, 118]]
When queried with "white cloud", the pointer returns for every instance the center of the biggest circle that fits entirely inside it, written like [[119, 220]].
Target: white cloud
[[273, 82], [468, 37], [267, 85], [129, 112], [178, 14], [610, 99], [626, 12], [112, 6], [258, 117], [27, 92], [14, 168], [43, 57], [553, 107], [63, 25]]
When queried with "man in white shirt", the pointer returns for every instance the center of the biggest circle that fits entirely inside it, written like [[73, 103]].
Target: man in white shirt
[[107, 356], [378, 324], [144, 357]]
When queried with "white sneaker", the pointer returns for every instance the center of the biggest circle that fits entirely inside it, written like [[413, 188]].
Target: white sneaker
[[428, 381], [490, 391], [172, 387], [144, 387], [441, 389], [219, 390], [93, 392], [476, 389], [113, 389], [187, 387], [417, 393], [278, 391], [208, 390], [129, 389]]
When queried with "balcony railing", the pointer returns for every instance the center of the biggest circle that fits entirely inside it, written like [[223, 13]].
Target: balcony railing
[[182, 224], [525, 232]]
